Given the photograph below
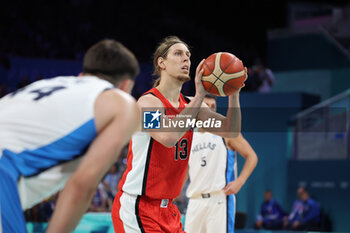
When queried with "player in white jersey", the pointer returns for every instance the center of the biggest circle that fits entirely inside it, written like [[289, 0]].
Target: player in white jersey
[[213, 179], [65, 132]]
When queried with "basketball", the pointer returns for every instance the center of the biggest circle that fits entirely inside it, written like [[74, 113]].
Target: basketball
[[224, 74]]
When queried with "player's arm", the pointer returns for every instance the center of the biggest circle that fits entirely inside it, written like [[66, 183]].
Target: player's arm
[[170, 138], [241, 145], [116, 118], [231, 123]]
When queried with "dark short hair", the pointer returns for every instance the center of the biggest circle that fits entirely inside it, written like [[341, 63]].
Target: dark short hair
[[112, 59]]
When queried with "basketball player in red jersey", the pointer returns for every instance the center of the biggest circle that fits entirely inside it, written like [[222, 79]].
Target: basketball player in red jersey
[[157, 161]]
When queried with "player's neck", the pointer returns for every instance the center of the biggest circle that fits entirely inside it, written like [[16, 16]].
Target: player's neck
[[201, 131], [170, 88]]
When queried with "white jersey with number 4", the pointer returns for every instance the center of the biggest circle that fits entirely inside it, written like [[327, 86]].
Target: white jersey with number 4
[[45, 127]]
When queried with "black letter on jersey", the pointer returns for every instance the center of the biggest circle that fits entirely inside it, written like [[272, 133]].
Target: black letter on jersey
[[181, 149], [46, 91]]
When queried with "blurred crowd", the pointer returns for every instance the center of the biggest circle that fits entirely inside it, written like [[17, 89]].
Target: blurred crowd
[[305, 215], [260, 78], [38, 30], [47, 36]]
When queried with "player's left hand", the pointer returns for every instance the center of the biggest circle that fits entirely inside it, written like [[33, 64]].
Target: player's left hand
[[245, 79], [233, 187]]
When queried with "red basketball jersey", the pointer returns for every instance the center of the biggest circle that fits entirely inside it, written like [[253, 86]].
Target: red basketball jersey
[[154, 170]]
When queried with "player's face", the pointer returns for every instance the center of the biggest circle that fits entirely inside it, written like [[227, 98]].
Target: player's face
[[177, 64], [211, 103]]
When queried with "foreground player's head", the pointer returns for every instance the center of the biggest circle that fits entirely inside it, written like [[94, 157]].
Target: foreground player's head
[[210, 100], [173, 57], [112, 61]]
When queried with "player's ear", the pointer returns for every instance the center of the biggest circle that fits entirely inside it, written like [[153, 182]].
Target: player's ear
[[160, 62], [126, 85]]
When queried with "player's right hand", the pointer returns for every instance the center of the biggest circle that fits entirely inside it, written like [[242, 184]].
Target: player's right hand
[[233, 187]]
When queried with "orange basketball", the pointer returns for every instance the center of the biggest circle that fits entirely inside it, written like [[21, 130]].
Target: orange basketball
[[223, 75]]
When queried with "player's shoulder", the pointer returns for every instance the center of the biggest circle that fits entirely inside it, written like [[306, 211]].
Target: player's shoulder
[[115, 97], [149, 100], [114, 103], [234, 142]]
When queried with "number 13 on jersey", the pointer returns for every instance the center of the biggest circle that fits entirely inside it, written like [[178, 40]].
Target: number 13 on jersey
[[181, 149]]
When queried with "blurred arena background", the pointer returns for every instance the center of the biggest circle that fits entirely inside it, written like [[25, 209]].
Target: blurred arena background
[[296, 118]]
